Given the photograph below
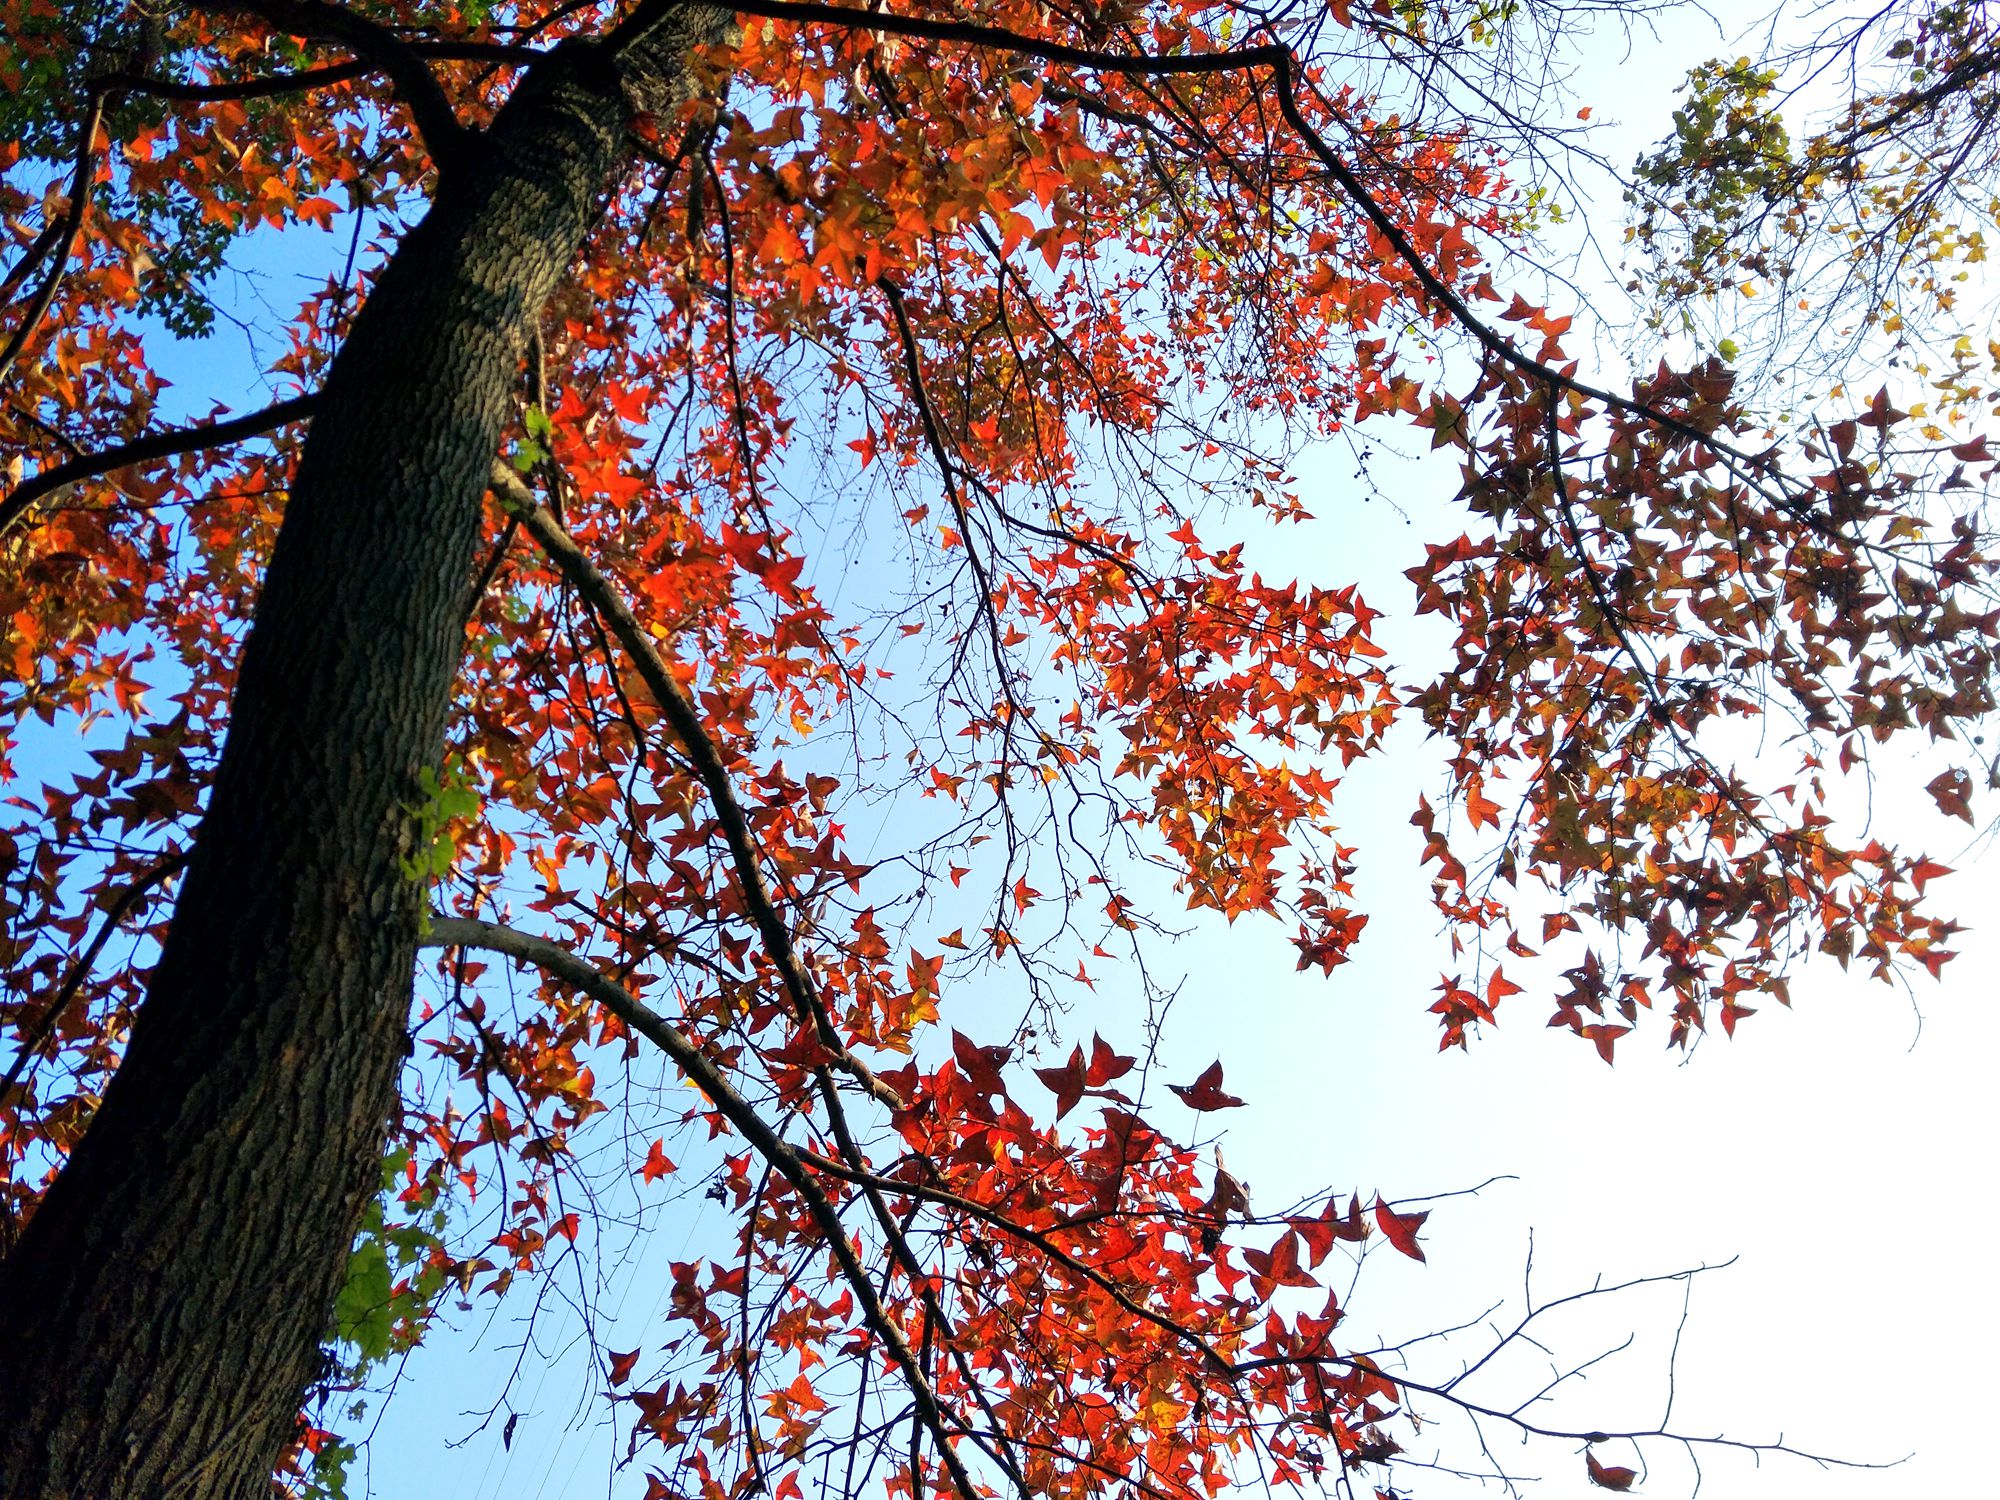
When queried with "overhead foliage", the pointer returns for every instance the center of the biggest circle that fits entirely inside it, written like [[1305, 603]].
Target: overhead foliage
[[1834, 194], [888, 456]]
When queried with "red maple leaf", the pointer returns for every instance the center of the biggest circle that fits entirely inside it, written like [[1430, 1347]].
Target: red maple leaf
[[1609, 1477], [1401, 1229], [657, 1165], [1205, 1092], [1066, 1082]]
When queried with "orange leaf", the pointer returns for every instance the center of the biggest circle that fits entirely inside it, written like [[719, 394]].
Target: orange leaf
[[1926, 870], [1952, 791], [1480, 808], [657, 1165], [1603, 1038]]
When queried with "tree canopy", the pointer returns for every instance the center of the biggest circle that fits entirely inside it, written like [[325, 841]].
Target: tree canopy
[[745, 536]]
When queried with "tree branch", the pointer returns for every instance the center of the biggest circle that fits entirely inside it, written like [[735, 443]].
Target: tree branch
[[415, 85], [82, 180], [319, 78], [243, 88], [685, 720], [1284, 66], [461, 932], [52, 1014], [975, 34], [797, 1166], [758, 899], [176, 440]]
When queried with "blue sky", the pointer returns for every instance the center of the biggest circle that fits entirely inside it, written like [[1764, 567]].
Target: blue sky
[[1840, 1154]]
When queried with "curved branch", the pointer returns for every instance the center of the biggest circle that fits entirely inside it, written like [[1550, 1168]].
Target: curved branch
[[319, 78], [758, 899], [461, 932], [1036, 1239], [798, 1165], [973, 33], [1961, 76], [82, 180], [415, 85], [688, 728], [32, 257], [177, 440], [1520, 1423], [52, 1014], [1284, 66], [242, 88]]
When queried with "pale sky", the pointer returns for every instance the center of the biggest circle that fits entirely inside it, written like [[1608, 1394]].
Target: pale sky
[[1842, 1153]]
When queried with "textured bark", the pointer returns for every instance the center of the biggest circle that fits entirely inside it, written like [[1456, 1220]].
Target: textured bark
[[164, 1310]]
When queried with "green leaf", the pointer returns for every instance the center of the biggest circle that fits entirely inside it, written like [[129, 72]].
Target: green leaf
[[363, 1314], [329, 1472]]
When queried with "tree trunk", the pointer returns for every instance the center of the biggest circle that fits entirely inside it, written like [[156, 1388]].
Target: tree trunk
[[162, 1314]]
